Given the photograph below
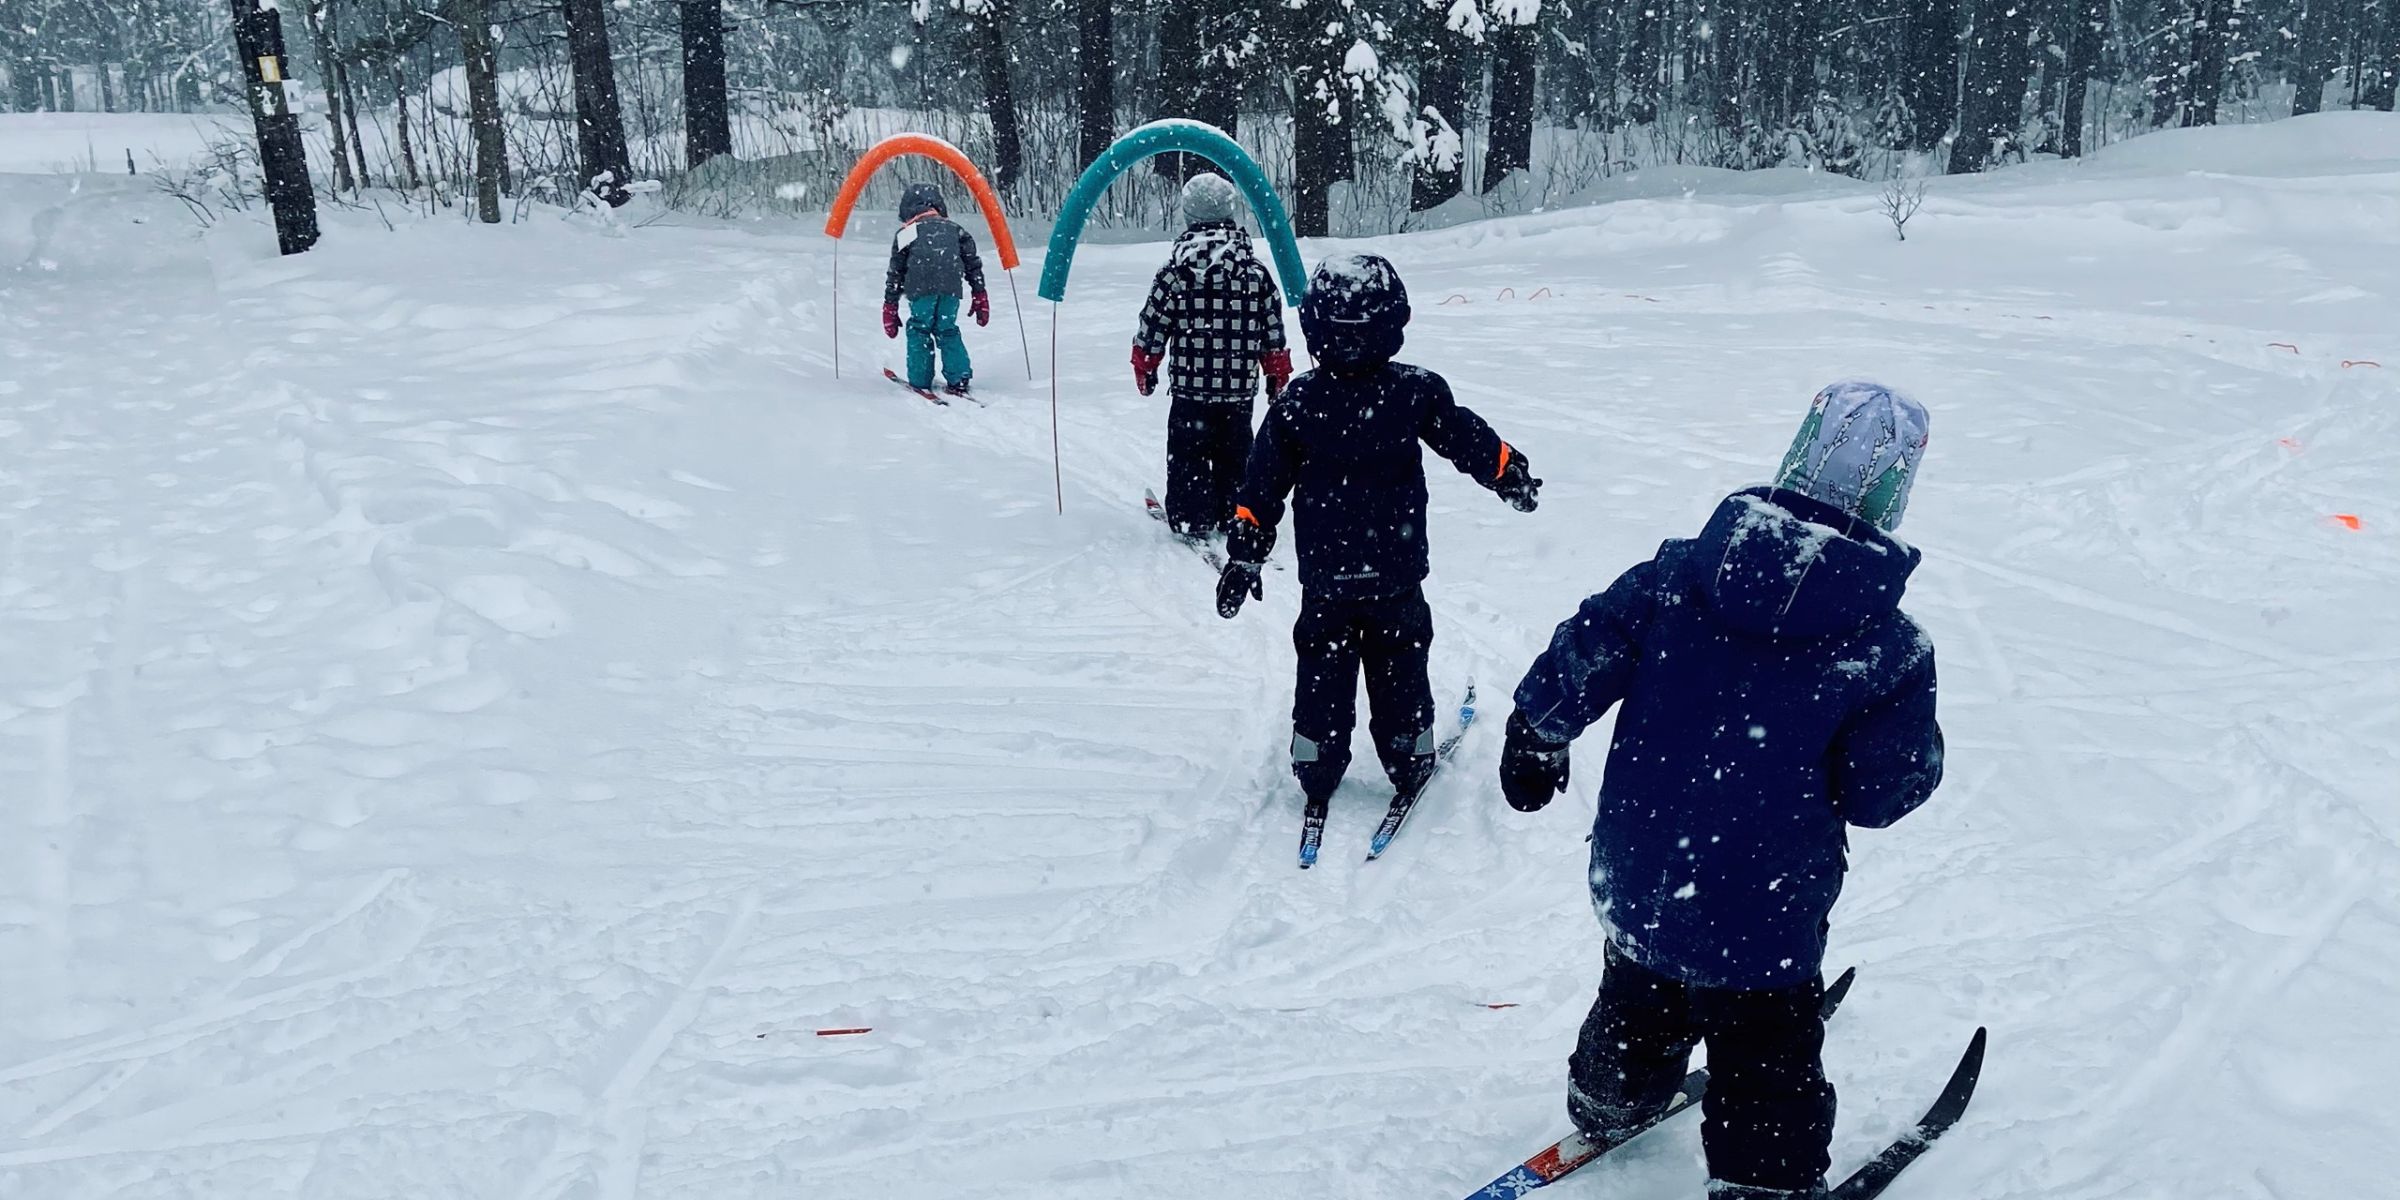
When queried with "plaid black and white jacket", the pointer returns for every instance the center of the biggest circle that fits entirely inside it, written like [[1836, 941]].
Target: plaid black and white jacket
[[1216, 306]]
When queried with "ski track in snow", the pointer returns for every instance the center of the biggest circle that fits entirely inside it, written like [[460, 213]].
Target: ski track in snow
[[480, 701]]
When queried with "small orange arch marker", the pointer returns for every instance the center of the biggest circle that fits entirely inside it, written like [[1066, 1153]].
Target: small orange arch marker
[[1506, 293], [2360, 362], [1538, 295], [2349, 521], [2288, 443], [1457, 298], [2283, 346]]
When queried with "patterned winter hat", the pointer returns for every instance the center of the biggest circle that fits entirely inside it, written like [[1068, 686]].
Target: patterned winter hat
[[1208, 197], [1858, 451]]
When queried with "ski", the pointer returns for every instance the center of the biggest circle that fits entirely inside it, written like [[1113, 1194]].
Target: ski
[[1575, 1150], [1312, 830], [1401, 804], [926, 394], [1201, 546], [1868, 1181]]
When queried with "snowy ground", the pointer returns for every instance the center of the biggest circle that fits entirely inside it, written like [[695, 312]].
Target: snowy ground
[[474, 703]]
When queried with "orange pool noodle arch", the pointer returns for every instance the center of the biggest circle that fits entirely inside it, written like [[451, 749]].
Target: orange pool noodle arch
[[924, 145]]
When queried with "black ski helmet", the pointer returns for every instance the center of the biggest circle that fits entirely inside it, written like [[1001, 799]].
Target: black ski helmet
[[1355, 311]]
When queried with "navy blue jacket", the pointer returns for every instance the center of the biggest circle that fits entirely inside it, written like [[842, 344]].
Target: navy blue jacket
[[1345, 448], [1773, 691]]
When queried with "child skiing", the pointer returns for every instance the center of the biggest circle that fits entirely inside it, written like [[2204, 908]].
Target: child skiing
[[1343, 441], [1773, 693], [1215, 308], [931, 256]]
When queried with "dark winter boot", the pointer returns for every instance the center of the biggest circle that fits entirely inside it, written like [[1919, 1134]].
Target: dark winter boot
[[1608, 1123], [957, 389], [1410, 776], [1718, 1189], [1318, 768]]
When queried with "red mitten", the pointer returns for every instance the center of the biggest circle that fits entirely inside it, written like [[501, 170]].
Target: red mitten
[[1278, 367], [891, 318], [1145, 370], [981, 306]]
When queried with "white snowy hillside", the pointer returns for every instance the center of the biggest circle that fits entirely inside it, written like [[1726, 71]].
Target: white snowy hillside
[[481, 708]]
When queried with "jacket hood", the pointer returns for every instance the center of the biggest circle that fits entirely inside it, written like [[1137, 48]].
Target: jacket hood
[[917, 199], [1210, 242], [1779, 564], [1355, 312]]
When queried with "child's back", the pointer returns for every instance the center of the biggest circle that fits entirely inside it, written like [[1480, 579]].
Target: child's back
[[1772, 691]]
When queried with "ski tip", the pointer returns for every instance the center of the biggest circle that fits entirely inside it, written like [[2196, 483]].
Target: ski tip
[[1955, 1094], [1970, 1066], [1839, 990]]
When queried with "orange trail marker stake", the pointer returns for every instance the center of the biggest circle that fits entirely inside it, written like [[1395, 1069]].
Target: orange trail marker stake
[[2283, 346], [2348, 521]]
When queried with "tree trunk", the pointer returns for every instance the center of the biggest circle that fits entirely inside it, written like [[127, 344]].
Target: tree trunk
[[2206, 89], [1320, 116], [599, 122], [1441, 105], [315, 15], [408, 154], [2084, 42], [707, 116], [358, 141], [1509, 146], [1219, 98], [472, 19], [1995, 91], [2309, 61], [1178, 77], [25, 80], [2380, 62], [1931, 85], [1000, 93], [1095, 79], [282, 159], [1640, 68]]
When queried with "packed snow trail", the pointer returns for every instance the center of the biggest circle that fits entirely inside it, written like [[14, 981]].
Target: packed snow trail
[[479, 701]]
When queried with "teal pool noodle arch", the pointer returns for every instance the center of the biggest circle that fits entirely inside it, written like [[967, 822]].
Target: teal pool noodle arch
[[1175, 136]]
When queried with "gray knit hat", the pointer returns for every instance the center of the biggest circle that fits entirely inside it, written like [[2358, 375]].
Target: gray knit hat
[[1858, 451], [1208, 197]]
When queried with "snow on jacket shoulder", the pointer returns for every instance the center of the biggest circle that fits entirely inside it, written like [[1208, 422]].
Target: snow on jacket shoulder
[[1345, 447], [1772, 692]]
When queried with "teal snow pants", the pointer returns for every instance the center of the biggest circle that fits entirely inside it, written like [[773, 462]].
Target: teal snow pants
[[932, 320]]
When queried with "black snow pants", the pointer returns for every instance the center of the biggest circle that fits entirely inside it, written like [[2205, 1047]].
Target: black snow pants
[[1768, 1114], [1389, 636], [1208, 443]]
